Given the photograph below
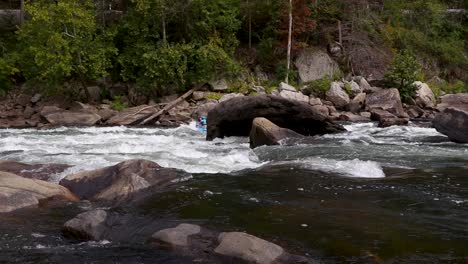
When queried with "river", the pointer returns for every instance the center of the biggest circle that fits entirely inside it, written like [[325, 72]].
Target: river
[[394, 195]]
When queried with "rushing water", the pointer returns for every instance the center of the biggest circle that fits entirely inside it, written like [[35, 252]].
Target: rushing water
[[396, 195]]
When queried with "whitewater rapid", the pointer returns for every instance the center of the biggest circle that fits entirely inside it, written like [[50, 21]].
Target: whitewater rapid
[[364, 151]]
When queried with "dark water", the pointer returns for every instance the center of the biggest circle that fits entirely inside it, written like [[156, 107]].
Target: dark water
[[395, 195]]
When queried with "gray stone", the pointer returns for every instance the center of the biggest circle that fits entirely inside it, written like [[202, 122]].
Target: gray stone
[[297, 96], [314, 101], [424, 96], [386, 99], [346, 116], [453, 122], [219, 85], [358, 103], [59, 117], [286, 87], [88, 225], [337, 95], [198, 95], [36, 98], [258, 89], [355, 88], [314, 64], [177, 236], [459, 101], [94, 93], [264, 132], [229, 96], [248, 248], [323, 109]]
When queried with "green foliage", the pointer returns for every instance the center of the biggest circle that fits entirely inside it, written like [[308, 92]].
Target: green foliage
[[117, 104], [318, 88], [449, 88], [60, 41], [6, 73], [281, 72], [348, 88], [402, 73], [215, 96]]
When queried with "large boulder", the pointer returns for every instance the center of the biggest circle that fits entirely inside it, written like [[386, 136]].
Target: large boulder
[[60, 117], [122, 181], [314, 64], [459, 101], [132, 116], [453, 122], [17, 192], [358, 103], [34, 171], [248, 248], [337, 95], [235, 117], [386, 99], [264, 132], [177, 236], [424, 96]]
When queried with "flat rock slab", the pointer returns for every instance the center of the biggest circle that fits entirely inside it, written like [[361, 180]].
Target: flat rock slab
[[17, 192]]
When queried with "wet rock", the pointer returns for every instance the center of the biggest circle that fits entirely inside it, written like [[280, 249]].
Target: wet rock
[[264, 132], [386, 99], [337, 95], [424, 95], [17, 192], [229, 96], [121, 182], [453, 123], [60, 117], [177, 236], [459, 101], [35, 171], [387, 119], [314, 64], [235, 117], [89, 225], [248, 248], [346, 116], [132, 116], [14, 123]]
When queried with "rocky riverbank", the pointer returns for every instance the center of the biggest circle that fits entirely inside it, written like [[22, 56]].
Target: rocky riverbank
[[354, 100]]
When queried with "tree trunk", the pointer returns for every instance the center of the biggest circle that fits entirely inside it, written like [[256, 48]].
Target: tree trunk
[[288, 63], [21, 12], [250, 25], [164, 29]]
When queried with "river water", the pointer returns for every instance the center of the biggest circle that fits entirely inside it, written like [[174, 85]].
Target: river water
[[388, 195]]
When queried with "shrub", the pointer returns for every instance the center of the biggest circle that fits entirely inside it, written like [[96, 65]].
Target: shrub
[[215, 96], [402, 73], [319, 87], [117, 104]]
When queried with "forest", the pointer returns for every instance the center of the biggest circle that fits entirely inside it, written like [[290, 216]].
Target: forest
[[164, 47]]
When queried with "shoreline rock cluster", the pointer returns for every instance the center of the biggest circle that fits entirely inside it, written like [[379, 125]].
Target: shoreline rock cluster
[[127, 184]]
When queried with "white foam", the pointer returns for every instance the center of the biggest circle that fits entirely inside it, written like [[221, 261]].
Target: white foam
[[350, 168]]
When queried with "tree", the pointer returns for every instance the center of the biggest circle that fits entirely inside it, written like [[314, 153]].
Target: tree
[[61, 41]]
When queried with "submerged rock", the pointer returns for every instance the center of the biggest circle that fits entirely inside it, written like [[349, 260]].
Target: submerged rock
[[177, 236], [264, 132], [453, 123], [87, 226], [387, 119], [248, 248], [36, 171], [120, 182], [235, 117], [17, 192]]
